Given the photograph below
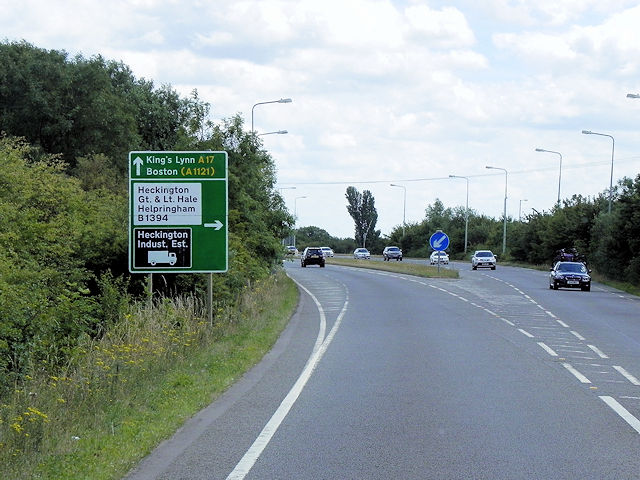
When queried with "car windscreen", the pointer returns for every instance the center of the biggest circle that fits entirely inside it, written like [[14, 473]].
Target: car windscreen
[[484, 254], [572, 268]]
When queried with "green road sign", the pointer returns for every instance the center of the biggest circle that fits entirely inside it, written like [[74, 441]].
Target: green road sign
[[178, 207]]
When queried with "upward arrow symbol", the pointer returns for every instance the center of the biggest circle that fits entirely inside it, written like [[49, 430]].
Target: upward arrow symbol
[[138, 163]]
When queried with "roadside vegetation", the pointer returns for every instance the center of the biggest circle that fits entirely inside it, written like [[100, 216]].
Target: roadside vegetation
[[93, 374], [136, 384], [398, 267]]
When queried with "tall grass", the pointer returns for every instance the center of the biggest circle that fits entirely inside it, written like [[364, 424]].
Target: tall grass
[[132, 388]]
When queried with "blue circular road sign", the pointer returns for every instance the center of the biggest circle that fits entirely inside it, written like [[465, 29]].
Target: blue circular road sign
[[439, 241]]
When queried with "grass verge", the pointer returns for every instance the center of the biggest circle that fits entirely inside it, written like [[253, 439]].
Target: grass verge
[[136, 386], [397, 267]]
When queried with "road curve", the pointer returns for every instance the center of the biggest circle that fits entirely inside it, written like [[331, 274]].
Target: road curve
[[381, 375]]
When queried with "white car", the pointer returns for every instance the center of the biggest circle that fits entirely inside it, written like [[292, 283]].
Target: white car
[[439, 257], [327, 252], [360, 253], [483, 258]]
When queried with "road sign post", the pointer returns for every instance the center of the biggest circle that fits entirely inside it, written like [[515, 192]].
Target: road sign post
[[178, 205], [439, 241]]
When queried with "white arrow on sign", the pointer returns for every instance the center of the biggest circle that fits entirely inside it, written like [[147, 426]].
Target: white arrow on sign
[[217, 225], [438, 243], [138, 163]]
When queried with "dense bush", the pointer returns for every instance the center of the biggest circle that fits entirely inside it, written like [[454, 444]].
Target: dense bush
[[68, 124]]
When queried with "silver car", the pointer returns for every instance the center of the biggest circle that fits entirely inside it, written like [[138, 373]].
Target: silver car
[[392, 252], [361, 253], [483, 259], [327, 251]]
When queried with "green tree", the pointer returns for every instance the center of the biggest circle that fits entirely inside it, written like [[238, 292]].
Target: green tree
[[45, 304], [79, 107], [361, 207]]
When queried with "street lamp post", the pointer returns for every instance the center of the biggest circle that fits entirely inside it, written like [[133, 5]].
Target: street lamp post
[[466, 213], [282, 100], [279, 132], [613, 147], [404, 210], [295, 218], [504, 233], [520, 209], [560, 174]]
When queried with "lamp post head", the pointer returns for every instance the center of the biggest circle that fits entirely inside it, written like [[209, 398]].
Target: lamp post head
[[285, 100], [633, 95], [540, 150], [587, 132]]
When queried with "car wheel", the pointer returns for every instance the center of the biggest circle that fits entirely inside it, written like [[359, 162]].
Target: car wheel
[[555, 285], [474, 268], [586, 288], [303, 265], [493, 268], [322, 265], [550, 287]]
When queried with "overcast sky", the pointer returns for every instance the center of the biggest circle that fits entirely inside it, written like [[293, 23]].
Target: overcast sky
[[404, 92]]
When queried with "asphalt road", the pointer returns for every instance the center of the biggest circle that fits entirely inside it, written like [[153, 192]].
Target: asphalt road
[[385, 376]]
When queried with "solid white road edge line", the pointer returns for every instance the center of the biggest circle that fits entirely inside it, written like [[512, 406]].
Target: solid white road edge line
[[249, 459]]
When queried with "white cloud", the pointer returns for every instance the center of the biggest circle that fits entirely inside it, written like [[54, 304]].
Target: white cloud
[[386, 92], [447, 28]]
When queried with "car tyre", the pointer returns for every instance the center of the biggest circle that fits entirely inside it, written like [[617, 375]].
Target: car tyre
[[493, 268], [474, 268], [586, 288], [555, 285]]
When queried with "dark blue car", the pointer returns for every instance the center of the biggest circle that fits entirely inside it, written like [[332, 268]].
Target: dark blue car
[[570, 275]]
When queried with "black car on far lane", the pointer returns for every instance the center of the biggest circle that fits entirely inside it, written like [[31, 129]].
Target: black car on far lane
[[312, 256], [570, 275]]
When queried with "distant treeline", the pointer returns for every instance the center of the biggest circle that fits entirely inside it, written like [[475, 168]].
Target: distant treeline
[[67, 126], [611, 241]]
